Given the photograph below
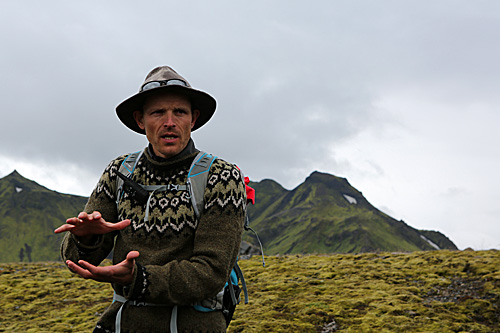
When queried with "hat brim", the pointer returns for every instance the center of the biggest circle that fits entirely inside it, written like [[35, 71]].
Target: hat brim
[[200, 100]]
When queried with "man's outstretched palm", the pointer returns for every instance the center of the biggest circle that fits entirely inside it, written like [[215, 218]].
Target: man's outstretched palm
[[121, 273], [90, 224], [86, 226]]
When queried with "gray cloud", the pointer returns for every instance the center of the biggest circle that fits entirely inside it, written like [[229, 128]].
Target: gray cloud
[[328, 86]]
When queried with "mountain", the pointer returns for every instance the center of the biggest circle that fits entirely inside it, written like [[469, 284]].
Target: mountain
[[29, 213], [325, 214]]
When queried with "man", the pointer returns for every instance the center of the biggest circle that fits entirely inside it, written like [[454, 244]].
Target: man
[[165, 257]]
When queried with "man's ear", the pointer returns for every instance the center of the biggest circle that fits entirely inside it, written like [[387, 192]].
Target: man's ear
[[196, 114], [139, 119]]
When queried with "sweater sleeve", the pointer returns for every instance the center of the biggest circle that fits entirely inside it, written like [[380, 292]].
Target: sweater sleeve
[[103, 200], [216, 246]]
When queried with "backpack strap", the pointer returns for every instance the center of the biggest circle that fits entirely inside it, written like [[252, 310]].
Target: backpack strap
[[196, 183], [197, 179], [127, 168], [239, 273], [123, 300], [151, 189], [146, 191]]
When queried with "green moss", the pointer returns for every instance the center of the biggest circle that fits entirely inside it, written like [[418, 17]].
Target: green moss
[[440, 291]]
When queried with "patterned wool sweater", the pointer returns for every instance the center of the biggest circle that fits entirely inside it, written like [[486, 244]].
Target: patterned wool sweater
[[183, 259]]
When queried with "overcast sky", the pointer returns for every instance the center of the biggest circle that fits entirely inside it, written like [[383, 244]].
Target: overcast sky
[[399, 97]]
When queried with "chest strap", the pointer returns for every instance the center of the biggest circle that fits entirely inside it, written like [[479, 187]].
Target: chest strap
[[159, 188]]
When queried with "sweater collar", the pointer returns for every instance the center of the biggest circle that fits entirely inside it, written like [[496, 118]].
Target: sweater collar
[[190, 149]]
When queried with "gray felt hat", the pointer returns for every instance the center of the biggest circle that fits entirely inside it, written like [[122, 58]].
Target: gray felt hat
[[165, 79]]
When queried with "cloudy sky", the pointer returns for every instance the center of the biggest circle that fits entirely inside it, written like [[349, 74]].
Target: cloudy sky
[[399, 97]]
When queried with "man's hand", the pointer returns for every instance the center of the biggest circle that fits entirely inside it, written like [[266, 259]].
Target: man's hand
[[90, 224], [121, 273]]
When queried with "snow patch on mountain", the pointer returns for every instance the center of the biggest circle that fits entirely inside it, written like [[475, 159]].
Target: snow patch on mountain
[[350, 199], [431, 243]]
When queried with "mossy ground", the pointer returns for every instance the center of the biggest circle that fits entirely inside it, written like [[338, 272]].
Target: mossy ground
[[435, 291]]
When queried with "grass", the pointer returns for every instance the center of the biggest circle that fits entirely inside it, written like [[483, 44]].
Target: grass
[[434, 291]]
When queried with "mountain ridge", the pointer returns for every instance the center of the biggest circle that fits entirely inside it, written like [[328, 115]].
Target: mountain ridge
[[324, 214], [29, 213]]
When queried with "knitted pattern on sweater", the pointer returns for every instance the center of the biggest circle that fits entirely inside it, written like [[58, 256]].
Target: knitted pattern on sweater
[[183, 259]]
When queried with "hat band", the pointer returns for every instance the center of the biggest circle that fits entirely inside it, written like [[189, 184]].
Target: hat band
[[156, 84]]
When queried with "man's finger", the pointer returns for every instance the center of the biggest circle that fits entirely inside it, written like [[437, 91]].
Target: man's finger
[[73, 221], [132, 255], [78, 270], [121, 225], [86, 265], [94, 271], [63, 228]]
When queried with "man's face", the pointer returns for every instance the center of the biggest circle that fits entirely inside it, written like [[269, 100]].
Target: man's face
[[167, 120]]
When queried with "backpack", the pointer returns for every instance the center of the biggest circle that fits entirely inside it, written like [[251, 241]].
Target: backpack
[[227, 299]]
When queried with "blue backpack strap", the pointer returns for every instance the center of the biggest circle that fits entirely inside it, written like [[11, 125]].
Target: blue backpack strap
[[196, 182], [239, 273], [127, 169], [197, 179]]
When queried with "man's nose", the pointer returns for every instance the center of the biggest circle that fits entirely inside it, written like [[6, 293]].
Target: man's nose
[[168, 120]]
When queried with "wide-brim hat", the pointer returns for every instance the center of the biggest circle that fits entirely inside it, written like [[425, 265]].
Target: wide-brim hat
[[161, 80]]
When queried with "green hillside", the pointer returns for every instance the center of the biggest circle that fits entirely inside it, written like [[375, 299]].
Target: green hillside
[[29, 213], [325, 214], [431, 291]]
